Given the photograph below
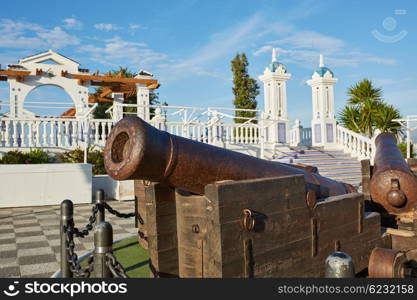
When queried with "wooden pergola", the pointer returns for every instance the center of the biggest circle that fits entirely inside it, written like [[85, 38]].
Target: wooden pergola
[[110, 84]]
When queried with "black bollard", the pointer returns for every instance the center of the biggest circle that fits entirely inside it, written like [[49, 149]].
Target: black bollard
[[103, 241], [67, 211], [100, 201], [339, 265]]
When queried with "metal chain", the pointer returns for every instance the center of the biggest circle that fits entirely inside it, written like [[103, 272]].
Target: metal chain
[[73, 257], [119, 214], [114, 266], [89, 226], [153, 269]]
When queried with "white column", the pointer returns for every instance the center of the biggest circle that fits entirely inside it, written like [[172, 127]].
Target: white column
[[118, 99], [275, 101], [323, 124], [296, 132], [143, 101]]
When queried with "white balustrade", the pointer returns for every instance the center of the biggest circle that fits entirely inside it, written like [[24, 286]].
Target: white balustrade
[[354, 143]]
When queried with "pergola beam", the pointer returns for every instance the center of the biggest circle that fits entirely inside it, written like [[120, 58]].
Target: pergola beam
[[14, 73], [114, 79]]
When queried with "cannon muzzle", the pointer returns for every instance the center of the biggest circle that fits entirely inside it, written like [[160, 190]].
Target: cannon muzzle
[[136, 150], [393, 185]]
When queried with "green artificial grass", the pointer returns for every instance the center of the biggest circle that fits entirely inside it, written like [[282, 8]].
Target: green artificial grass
[[132, 257]]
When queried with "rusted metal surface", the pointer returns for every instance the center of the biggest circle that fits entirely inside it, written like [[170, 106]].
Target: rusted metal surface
[[387, 263], [247, 221], [137, 150], [393, 185]]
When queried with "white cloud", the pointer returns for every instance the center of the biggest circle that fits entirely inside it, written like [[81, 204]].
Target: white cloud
[[72, 23], [311, 40], [220, 45], [303, 48], [16, 34], [136, 26], [117, 52], [262, 50], [57, 38], [106, 27]]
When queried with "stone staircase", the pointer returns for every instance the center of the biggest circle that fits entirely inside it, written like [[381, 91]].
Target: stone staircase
[[333, 164]]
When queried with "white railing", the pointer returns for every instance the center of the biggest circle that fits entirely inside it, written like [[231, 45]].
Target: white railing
[[210, 125], [305, 136], [354, 143], [52, 132], [300, 136], [213, 125]]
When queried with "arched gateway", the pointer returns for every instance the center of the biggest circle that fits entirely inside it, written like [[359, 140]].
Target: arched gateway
[[51, 68]]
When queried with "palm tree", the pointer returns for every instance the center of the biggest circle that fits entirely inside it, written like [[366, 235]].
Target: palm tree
[[366, 110]]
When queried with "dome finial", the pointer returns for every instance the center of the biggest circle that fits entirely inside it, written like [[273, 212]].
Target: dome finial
[[321, 61], [274, 55]]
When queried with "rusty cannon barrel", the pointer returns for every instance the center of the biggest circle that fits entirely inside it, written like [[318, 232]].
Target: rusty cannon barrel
[[136, 150], [393, 184]]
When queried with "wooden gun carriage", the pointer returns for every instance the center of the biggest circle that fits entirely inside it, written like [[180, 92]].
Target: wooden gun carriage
[[204, 218]]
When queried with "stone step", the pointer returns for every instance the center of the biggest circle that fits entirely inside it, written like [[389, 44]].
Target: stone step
[[340, 174], [324, 164], [339, 167], [339, 177], [312, 153], [322, 158]]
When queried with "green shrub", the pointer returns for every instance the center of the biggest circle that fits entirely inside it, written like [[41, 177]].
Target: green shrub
[[37, 156], [403, 149], [14, 157], [34, 156], [94, 157]]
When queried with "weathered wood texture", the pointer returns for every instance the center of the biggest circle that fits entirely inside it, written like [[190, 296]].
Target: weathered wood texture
[[366, 169], [289, 240], [162, 229], [141, 210]]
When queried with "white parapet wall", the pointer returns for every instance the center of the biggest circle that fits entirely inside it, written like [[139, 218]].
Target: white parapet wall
[[44, 184], [113, 189]]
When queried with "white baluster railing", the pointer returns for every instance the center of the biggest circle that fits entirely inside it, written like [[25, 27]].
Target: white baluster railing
[[354, 143]]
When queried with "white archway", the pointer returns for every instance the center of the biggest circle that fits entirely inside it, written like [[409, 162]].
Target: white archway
[[41, 73], [48, 100]]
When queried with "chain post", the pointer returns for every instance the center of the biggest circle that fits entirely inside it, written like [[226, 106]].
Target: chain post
[[67, 211], [339, 265], [103, 241], [100, 203]]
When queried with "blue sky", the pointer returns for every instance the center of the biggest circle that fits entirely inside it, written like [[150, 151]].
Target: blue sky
[[188, 45]]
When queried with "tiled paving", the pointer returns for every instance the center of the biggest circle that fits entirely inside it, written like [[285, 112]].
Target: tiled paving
[[30, 241]]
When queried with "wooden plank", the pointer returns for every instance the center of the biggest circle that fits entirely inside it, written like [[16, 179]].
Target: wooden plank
[[226, 200], [366, 170], [338, 210], [162, 229], [403, 243], [280, 228], [14, 73], [139, 189], [284, 247], [264, 194], [113, 79], [191, 229]]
